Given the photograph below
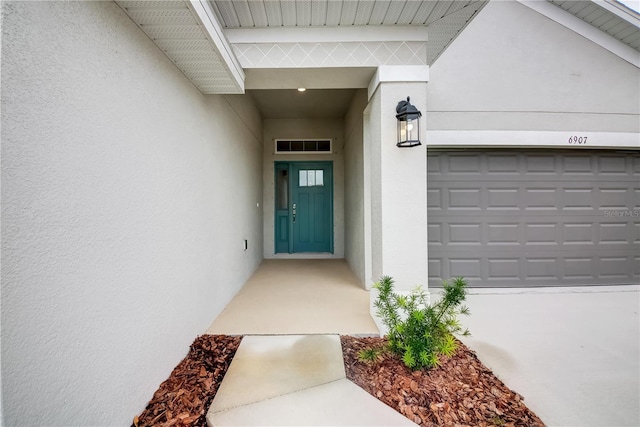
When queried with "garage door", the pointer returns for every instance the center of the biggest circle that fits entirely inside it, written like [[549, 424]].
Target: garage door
[[534, 218]]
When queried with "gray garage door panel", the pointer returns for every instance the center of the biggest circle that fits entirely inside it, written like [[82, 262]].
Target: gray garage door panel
[[534, 218]]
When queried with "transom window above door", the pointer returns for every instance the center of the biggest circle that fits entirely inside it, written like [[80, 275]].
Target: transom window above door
[[306, 146], [311, 178]]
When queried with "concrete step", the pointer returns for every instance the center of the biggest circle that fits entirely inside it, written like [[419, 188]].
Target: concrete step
[[286, 380]]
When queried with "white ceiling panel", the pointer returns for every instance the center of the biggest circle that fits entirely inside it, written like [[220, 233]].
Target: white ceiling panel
[[600, 18], [334, 12], [457, 5], [227, 12], [155, 5], [628, 31], [200, 45], [587, 11], [363, 14], [258, 13], [289, 16], [348, 15], [318, 13], [393, 12], [162, 16], [576, 6], [303, 13], [379, 12], [173, 31], [244, 13], [274, 15], [408, 13], [632, 38], [423, 12], [439, 11]]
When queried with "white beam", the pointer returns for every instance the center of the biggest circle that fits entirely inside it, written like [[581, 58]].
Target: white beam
[[398, 73], [326, 34]]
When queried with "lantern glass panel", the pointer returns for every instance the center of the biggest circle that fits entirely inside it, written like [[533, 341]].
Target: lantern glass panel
[[402, 130], [413, 133]]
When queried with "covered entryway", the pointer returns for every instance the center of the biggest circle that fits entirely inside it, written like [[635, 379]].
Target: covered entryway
[[505, 218], [299, 296]]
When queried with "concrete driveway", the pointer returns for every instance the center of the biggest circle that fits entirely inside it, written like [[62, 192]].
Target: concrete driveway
[[573, 353]]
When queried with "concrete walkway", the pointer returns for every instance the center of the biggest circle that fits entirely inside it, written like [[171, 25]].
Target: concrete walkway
[[298, 296], [295, 380], [573, 353]]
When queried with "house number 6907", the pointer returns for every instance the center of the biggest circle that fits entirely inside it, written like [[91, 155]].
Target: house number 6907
[[577, 140]]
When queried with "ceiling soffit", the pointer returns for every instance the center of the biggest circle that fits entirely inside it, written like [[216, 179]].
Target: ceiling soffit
[[187, 32], [332, 13], [329, 33], [193, 34]]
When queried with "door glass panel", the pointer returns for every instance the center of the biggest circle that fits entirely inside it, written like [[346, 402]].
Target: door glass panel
[[311, 178], [283, 189]]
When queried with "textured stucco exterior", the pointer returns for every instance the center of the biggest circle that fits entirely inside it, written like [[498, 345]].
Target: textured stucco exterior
[[126, 197], [303, 129], [354, 185], [403, 177], [514, 69], [373, 171]]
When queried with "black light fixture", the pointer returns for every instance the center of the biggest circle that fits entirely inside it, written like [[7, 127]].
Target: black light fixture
[[408, 124]]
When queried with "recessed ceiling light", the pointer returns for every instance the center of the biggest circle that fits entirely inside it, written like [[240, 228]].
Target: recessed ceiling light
[[301, 89]]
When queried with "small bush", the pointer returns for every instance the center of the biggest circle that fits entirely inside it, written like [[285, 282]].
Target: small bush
[[371, 354], [420, 333]]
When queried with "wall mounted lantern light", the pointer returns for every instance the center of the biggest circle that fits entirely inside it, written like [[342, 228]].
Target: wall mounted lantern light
[[408, 124]]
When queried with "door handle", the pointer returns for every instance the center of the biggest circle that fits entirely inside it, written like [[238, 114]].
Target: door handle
[[294, 212]]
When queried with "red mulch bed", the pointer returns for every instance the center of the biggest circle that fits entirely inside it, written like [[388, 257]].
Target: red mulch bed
[[461, 392], [184, 398]]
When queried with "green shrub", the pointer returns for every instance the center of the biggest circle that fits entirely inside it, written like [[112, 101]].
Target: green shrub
[[420, 333], [370, 354]]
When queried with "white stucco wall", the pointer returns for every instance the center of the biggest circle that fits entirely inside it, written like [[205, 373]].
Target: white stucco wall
[[126, 196], [373, 184], [303, 129], [403, 177], [354, 185], [515, 69], [396, 211]]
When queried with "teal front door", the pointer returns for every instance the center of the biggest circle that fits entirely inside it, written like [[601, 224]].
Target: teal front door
[[304, 207]]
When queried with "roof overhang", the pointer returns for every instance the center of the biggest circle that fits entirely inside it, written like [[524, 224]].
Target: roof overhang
[[214, 42], [187, 31]]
